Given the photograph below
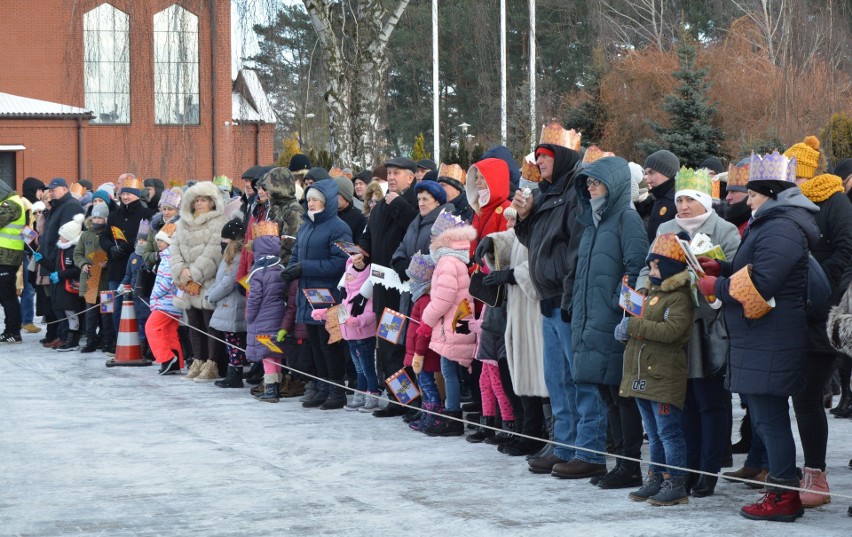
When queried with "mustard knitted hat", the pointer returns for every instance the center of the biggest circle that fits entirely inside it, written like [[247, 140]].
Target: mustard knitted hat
[[807, 156]]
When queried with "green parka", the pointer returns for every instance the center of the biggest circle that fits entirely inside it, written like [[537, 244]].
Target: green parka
[[88, 245], [655, 360]]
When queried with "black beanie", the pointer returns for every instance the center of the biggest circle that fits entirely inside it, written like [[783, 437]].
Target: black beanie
[[234, 229], [713, 164], [664, 162], [770, 188], [299, 163], [843, 168]]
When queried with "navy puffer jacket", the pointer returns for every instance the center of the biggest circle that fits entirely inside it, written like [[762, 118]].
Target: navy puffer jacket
[[768, 354], [322, 262]]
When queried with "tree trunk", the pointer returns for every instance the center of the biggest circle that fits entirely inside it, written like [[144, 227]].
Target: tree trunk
[[354, 45]]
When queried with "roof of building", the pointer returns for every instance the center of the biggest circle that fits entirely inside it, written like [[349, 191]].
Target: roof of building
[[16, 107], [249, 102]]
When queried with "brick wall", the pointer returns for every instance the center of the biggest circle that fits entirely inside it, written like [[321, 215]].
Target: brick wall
[[47, 63]]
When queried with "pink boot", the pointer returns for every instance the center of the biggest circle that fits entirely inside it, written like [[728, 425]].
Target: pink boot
[[814, 480]]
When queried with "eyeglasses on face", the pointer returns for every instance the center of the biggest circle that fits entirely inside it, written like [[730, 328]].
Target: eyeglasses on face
[[593, 182]]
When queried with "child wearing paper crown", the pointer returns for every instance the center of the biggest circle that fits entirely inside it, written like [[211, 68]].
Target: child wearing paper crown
[[454, 339], [424, 361], [655, 367], [359, 330], [162, 326], [66, 298], [265, 307]]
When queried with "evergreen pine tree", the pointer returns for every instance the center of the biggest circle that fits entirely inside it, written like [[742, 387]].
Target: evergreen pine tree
[[418, 152], [690, 134]]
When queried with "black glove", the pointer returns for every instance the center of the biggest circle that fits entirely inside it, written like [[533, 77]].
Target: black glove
[[357, 305], [115, 252], [292, 272], [499, 277], [463, 327], [566, 316], [485, 246]]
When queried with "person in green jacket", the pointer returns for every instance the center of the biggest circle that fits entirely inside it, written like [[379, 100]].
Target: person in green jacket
[[655, 368]]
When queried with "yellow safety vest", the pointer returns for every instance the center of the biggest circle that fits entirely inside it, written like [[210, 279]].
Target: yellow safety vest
[[10, 236]]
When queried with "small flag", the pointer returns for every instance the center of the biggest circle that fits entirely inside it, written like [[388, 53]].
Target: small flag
[[631, 301], [29, 235], [117, 234], [267, 342]]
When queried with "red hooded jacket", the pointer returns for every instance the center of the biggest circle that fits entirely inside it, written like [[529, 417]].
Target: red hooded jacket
[[489, 217]]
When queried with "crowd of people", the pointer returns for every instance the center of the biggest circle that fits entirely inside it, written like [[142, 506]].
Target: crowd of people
[[579, 298]]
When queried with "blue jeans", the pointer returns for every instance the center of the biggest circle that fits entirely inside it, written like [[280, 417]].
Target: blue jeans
[[665, 435], [363, 352], [770, 418], [116, 314], [450, 370], [756, 457], [705, 413], [428, 388], [27, 297], [579, 413]]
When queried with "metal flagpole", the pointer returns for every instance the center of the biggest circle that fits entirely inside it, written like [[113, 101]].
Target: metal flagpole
[[503, 127], [436, 120], [533, 125]]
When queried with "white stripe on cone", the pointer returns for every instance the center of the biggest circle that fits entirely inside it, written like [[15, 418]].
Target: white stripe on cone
[[127, 346]]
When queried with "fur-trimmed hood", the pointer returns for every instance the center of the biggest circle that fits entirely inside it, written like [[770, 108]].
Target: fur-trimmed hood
[[203, 188], [681, 279], [457, 238]]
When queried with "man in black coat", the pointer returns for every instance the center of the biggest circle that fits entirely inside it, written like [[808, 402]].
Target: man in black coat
[[660, 170], [386, 228], [347, 212], [120, 244], [63, 207]]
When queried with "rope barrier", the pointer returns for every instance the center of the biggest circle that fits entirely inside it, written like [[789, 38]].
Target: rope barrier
[[117, 294], [518, 434]]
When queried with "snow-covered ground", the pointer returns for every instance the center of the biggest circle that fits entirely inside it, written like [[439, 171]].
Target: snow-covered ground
[[87, 450]]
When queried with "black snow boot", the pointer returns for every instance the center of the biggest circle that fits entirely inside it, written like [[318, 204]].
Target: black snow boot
[[503, 436], [626, 474], [446, 427], [706, 486], [255, 374], [322, 394], [336, 399], [482, 433], [72, 341], [745, 436], [233, 379]]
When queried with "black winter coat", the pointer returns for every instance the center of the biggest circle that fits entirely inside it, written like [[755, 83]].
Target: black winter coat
[[356, 221], [62, 211], [64, 297], [126, 218], [768, 354], [664, 208], [551, 233]]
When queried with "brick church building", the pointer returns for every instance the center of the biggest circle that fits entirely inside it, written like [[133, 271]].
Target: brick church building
[[92, 89]]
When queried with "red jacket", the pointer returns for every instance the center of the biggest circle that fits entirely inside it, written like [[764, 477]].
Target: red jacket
[[419, 344], [488, 218]]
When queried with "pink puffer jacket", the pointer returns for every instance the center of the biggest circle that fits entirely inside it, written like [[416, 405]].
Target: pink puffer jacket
[[450, 283]]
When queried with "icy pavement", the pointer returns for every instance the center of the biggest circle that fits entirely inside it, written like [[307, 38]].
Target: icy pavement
[[86, 450]]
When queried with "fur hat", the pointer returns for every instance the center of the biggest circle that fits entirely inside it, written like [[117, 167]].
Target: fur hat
[[100, 210], [807, 156], [171, 197], [71, 231], [166, 233], [664, 162]]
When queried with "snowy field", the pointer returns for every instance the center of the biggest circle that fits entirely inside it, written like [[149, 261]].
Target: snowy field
[[86, 450]]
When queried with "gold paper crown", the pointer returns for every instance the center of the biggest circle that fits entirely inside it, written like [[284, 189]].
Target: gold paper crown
[[77, 190], [806, 153], [738, 173], [667, 245], [453, 171], [132, 182], [340, 172], [689, 179], [169, 229], [554, 133], [266, 227], [742, 289], [529, 169], [594, 153]]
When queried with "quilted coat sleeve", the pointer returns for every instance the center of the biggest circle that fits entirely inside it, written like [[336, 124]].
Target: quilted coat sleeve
[[255, 296], [445, 288], [669, 330]]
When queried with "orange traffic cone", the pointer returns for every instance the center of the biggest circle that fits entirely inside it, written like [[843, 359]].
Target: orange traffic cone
[[128, 352]]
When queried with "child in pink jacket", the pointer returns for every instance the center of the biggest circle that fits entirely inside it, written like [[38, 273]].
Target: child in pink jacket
[[358, 327], [453, 338]]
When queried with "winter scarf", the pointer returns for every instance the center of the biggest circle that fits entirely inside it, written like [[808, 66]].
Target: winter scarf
[[821, 187], [598, 206], [418, 288], [463, 255], [691, 225]]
